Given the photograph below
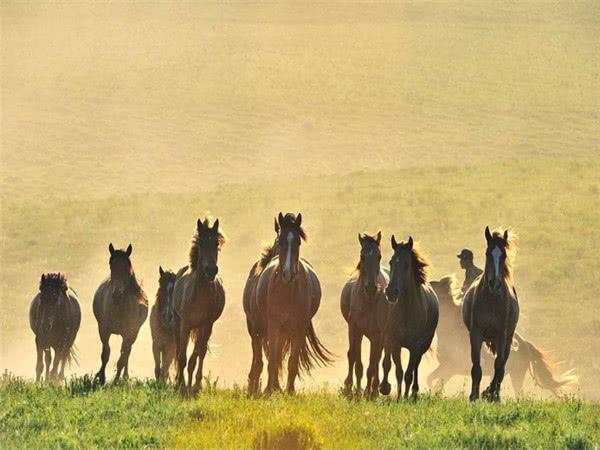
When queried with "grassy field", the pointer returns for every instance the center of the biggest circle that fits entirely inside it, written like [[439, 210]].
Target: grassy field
[[126, 122], [137, 415]]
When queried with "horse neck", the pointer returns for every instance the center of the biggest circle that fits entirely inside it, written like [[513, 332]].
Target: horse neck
[[412, 300]]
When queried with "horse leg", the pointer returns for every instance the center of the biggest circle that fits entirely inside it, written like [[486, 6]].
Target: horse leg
[[385, 388], [415, 386], [358, 365], [274, 363], [257, 364], [293, 362], [476, 341], [184, 336], [39, 366], [396, 355], [202, 347], [192, 362], [64, 359], [517, 377], [351, 358], [410, 372], [168, 355], [58, 355], [101, 375], [48, 361], [124, 358], [499, 369], [156, 352], [374, 359]]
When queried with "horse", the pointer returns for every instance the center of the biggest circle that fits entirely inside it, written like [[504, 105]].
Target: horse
[[413, 317], [54, 318], [120, 307], [279, 308], [525, 355], [162, 324], [198, 301], [491, 311], [365, 309]]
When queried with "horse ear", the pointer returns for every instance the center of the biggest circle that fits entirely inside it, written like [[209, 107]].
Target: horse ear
[[299, 219], [43, 278], [129, 250], [360, 238], [111, 249], [280, 219], [506, 235], [378, 239], [488, 235], [276, 225], [410, 243], [216, 225], [199, 225], [161, 271], [394, 243]]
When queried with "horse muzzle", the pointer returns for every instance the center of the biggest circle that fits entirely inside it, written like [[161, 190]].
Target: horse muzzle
[[210, 273], [391, 294]]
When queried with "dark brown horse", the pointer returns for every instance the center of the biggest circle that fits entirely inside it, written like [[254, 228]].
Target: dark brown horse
[[413, 317], [279, 307], [54, 317], [120, 307], [491, 311], [198, 301], [365, 308], [453, 339], [162, 324]]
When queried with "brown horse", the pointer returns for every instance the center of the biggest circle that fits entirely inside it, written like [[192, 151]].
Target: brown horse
[[54, 317], [162, 325], [453, 339], [413, 317], [365, 308], [120, 307], [491, 311], [279, 307], [198, 301]]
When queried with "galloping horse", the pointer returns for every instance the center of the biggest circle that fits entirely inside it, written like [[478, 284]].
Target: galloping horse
[[453, 339], [366, 310], [162, 324], [491, 311], [413, 317], [120, 307], [279, 310], [54, 317], [198, 301]]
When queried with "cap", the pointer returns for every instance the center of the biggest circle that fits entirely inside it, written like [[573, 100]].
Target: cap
[[465, 253]]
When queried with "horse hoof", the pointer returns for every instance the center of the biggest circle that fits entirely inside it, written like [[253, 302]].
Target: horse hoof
[[100, 378], [385, 388], [473, 397]]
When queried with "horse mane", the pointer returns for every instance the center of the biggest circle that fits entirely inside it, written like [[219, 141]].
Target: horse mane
[[421, 265], [194, 251], [54, 280], [290, 220], [511, 251]]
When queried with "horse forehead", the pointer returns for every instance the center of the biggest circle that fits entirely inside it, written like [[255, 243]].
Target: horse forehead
[[496, 252], [290, 237]]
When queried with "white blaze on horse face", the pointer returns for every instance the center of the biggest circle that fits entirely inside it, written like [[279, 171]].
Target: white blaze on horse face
[[496, 253], [288, 256]]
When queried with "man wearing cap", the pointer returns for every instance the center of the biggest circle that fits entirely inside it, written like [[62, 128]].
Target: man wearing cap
[[471, 270]]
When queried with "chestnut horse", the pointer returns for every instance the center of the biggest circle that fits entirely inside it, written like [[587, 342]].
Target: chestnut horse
[[413, 317], [198, 301], [54, 317], [162, 325], [279, 310], [453, 339], [491, 311], [366, 311], [120, 307]]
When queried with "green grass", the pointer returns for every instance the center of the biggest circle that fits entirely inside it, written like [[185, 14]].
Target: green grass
[[146, 414]]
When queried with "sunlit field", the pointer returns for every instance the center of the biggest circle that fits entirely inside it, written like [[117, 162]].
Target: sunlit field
[[125, 123]]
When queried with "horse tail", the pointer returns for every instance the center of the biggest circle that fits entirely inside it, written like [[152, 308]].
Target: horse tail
[[543, 369], [313, 352], [72, 356]]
